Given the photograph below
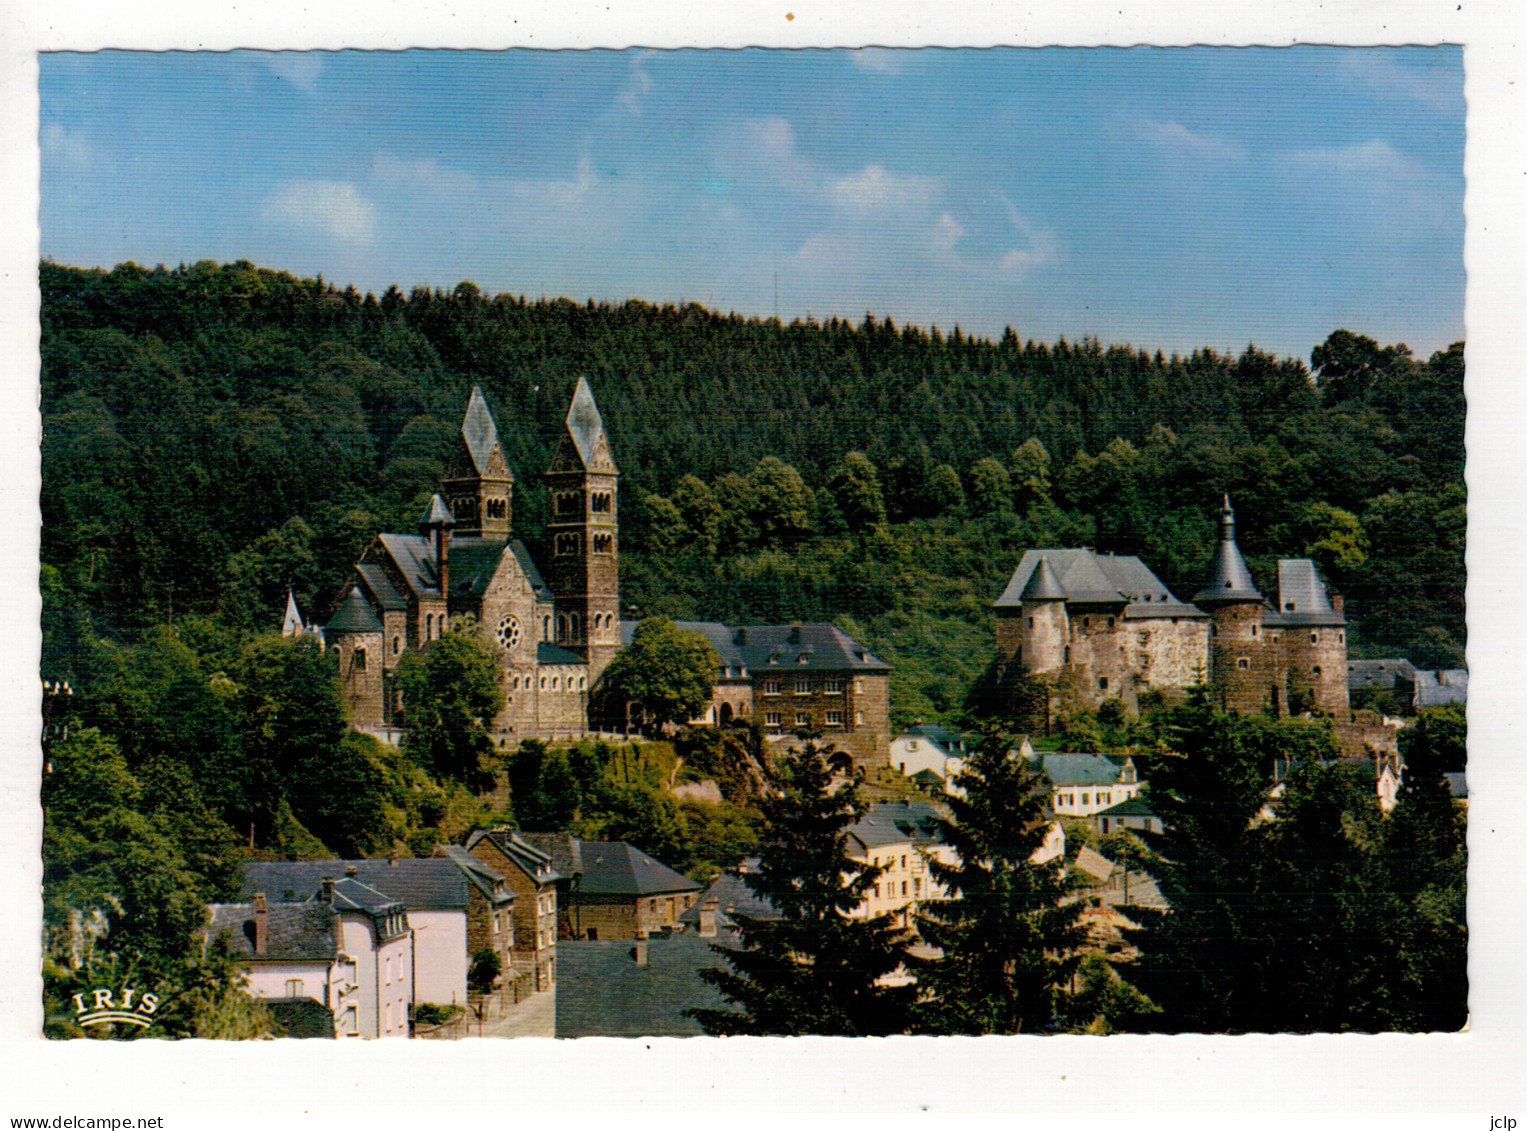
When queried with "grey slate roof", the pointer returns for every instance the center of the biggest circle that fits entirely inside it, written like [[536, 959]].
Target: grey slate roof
[[1080, 769], [437, 882], [1089, 578], [756, 647], [1437, 688], [1043, 585], [1136, 806], [532, 860], [888, 822], [602, 992], [556, 654], [437, 513], [1302, 597], [1458, 785], [300, 1017], [478, 430], [473, 562], [584, 423], [1378, 674], [608, 867], [732, 895], [478, 874], [942, 735], [352, 895], [294, 932], [380, 586], [1229, 578], [353, 615]]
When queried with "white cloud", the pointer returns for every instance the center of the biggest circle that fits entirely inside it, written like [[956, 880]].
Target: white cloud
[[638, 84], [69, 148], [334, 206], [873, 189], [1199, 143], [880, 60], [1380, 72], [300, 68], [1373, 182], [1372, 158], [422, 176]]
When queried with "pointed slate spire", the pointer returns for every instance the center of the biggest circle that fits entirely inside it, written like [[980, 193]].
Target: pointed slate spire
[[1043, 585], [291, 624], [438, 514], [1229, 578], [478, 430], [586, 428], [354, 615]]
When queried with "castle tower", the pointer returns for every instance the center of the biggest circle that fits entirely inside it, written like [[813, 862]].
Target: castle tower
[[1240, 668], [356, 634], [583, 570], [478, 485], [1046, 627]]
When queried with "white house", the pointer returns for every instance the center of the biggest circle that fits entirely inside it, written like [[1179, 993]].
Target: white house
[[1084, 784], [455, 904], [348, 948]]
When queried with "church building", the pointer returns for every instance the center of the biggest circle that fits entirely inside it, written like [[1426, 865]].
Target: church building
[[1099, 627], [559, 625]]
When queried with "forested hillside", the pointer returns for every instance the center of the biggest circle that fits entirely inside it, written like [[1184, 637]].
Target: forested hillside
[[215, 433]]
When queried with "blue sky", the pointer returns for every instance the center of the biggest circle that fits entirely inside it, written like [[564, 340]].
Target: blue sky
[[1168, 198]]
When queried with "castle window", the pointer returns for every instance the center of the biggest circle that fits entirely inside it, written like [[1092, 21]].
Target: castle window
[[1110, 622], [1031, 622], [832, 685], [396, 644], [1068, 654], [1341, 638], [834, 718], [1243, 663], [1102, 683], [1316, 669], [360, 659], [771, 718], [803, 687], [1314, 638], [1253, 630], [771, 687]]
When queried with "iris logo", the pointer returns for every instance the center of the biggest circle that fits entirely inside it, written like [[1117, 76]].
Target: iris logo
[[104, 1007]]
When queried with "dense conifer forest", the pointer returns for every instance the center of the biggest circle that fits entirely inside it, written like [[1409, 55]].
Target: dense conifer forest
[[213, 434]]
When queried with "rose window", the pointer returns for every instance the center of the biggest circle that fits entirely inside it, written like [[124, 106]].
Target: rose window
[[508, 632]]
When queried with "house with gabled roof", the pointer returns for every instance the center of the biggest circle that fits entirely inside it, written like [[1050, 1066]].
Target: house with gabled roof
[[612, 890], [557, 627], [455, 905], [532, 876], [792, 677], [1082, 784], [347, 946]]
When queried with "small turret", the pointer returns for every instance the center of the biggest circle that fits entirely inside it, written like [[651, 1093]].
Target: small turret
[[1229, 579], [437, 524], [1046, 625], [1241, 670]]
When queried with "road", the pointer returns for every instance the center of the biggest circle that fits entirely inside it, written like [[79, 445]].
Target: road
[[536, 1016]]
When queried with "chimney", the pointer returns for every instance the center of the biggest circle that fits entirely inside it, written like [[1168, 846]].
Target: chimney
[[708, 917], [351, 870], [262, 923], [442, 556], [327, 892], [1337, 601], [640, 950]]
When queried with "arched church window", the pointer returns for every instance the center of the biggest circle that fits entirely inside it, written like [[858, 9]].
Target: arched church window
[[562, 626], [496, 508], [429, 626], [567, 544], [396, 645], [572, 628]]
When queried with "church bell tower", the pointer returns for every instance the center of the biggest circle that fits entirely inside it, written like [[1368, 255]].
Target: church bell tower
[[583, 537], [478, 485]]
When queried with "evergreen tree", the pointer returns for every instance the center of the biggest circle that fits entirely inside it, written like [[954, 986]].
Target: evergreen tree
[[1009, 934], [815, 969]]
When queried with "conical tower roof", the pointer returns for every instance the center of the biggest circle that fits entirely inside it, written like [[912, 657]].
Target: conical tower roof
[[438, 514], [353, 615], [291, 624], [478, 431], [1229, 580], [1043, 585], [585, 427]]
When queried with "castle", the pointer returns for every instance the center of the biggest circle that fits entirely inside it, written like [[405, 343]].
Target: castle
[[1100, 627], [559, 628]]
